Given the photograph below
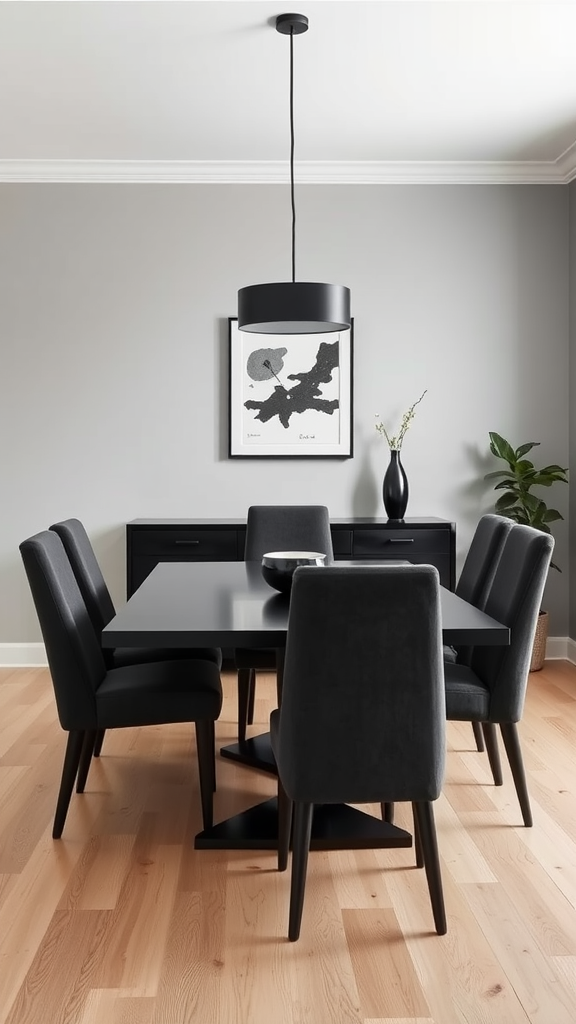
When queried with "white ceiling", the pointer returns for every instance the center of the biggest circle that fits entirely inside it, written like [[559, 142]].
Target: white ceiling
[[197, 90]]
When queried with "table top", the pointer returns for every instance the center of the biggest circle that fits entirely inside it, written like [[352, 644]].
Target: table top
[[411, 521], [228, 604]]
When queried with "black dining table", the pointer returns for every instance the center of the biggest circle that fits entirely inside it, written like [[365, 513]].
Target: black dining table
[[229, 605]]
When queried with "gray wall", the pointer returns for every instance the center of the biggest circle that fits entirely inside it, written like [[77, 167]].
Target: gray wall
[[113, 307]]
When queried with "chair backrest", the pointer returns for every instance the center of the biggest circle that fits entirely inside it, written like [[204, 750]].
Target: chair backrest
[[287, 528], [74, 655], [482, 559], [514, 599], [87, 572], [363, 712]]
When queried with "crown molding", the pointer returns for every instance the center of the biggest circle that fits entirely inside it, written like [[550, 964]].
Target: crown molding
[[322, 172], [566, 164]]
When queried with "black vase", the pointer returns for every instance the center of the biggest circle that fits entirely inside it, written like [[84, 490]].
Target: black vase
[[395, 487]]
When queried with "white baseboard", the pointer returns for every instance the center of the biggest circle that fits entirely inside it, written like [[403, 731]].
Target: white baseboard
[[22, 655], [32, 655], [570, 650], [561, 648], [557, 647]]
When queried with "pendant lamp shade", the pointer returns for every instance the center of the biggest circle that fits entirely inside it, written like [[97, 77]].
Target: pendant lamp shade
[[293, 307]]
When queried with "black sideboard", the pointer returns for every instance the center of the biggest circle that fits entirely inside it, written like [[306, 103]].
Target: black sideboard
[[149, 541]]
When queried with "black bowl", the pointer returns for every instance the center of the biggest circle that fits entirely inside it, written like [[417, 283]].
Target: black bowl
[[278, 566]]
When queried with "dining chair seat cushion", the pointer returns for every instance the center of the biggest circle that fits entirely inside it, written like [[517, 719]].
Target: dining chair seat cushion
[[122, 656], [450, 654], [156, 693], [467, 697]]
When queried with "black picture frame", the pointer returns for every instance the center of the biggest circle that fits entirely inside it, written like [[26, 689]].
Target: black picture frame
[[290, 395]]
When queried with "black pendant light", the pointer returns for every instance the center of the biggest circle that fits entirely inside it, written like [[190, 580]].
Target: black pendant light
[[293, 307]]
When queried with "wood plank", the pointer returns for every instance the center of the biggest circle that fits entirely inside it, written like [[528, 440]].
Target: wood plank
[[358, 879], [112, 1006], [388, 984], [58, 982], [460, 974], [532, 974], [546, 913]]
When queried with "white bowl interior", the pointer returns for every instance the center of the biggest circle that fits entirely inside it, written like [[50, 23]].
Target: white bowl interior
[[293, 555]]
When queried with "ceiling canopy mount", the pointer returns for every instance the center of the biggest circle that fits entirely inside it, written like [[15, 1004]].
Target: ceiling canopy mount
[[291, 23]]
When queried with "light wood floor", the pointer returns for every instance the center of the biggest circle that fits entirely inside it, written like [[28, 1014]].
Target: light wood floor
[[123, 922]]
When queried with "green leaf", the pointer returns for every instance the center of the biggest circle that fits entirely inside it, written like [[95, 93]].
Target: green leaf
[[524, 468], [551, 516], [526, 448], [541, 480], [510, 483], [505, 501], [501, 448], [553, 475], [532, 502], [499, 472]]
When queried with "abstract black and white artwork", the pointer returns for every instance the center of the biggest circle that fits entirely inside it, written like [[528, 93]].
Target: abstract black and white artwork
[[290, 394]]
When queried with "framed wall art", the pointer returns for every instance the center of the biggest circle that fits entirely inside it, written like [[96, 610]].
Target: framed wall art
[[290, 394]]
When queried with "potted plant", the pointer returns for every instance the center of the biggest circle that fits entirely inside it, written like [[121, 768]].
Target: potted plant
[[519, 504]]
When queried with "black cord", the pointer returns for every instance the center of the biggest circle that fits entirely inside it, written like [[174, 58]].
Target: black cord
[[292, 155]]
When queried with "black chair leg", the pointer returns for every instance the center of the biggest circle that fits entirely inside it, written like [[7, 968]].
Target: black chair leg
[[85, 759], [491, 741], [206, 761], [417, 841], [285, 807], [300, 847], [478, 736], [251, 697], [99, 741], [387, 810], [213, 731], [424, 814], [69, 772], [512, 744], [244, 682]]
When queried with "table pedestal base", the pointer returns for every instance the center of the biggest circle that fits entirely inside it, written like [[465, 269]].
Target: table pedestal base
[[256, 752], [334, 827]]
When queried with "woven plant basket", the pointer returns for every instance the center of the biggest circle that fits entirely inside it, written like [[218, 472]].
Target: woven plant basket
[[540, 638]]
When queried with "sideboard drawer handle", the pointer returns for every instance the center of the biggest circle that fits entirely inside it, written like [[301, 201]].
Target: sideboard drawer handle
[[187, 543], [399, 540]]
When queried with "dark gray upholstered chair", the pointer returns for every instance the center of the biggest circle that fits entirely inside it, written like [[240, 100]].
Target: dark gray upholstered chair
[[491, 689], [476, 579], [90, 697], [101, 607], [275, 528], [479, 568], [363, 713]]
